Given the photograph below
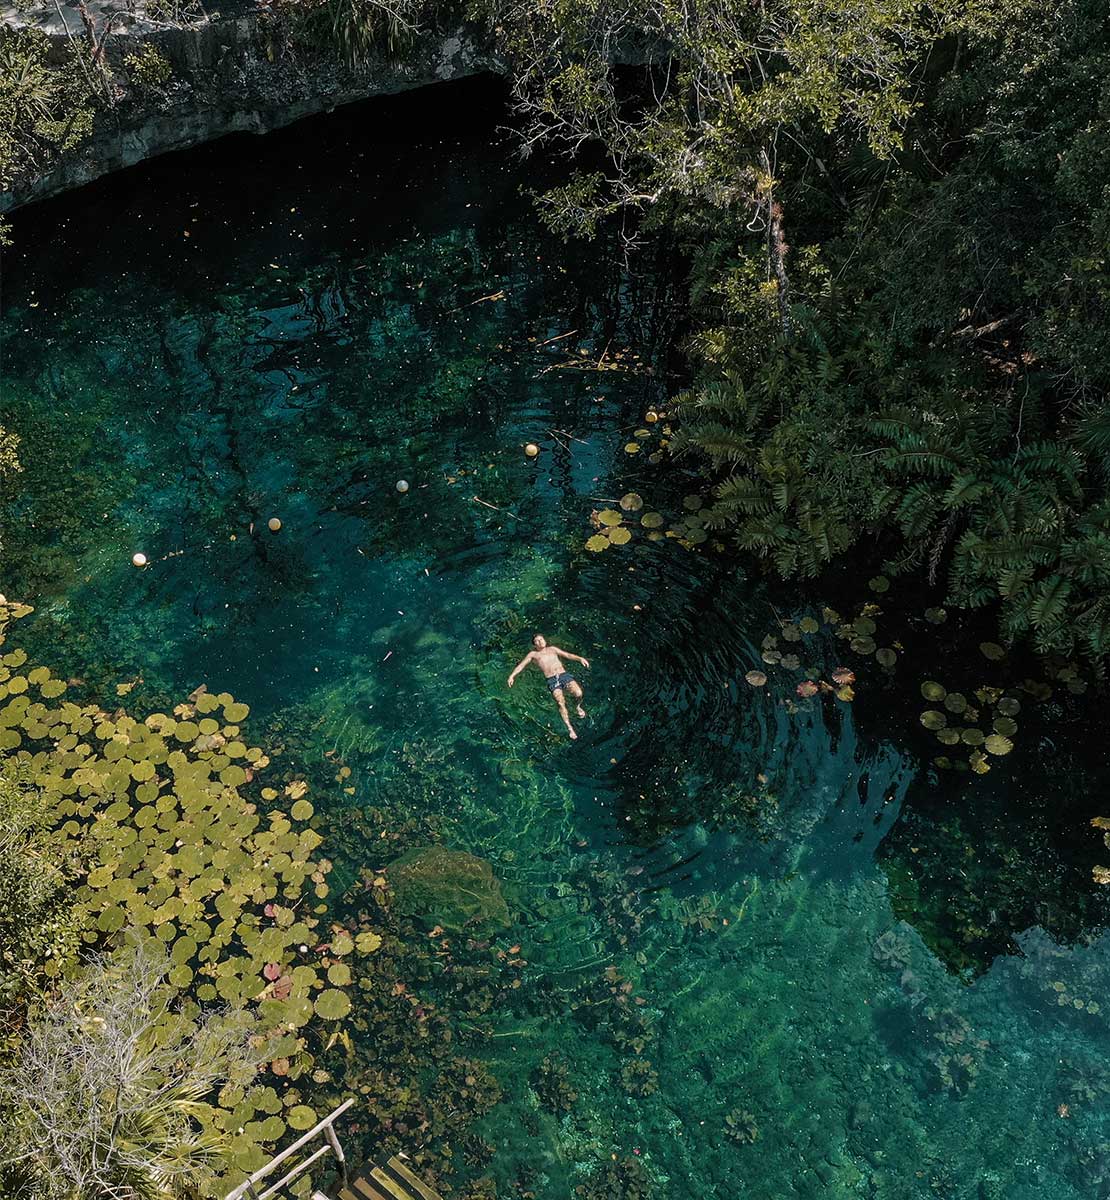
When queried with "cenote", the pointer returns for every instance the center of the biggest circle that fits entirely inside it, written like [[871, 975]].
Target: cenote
[[736, 941]]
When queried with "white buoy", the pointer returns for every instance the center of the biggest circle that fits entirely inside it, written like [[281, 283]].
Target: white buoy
[[531, 449], [274, 524], [138, 559], [402, 485]]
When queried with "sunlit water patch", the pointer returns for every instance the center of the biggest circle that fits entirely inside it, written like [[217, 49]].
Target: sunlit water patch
[[728, 901]]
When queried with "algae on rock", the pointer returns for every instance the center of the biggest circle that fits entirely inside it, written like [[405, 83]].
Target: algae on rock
[[450, 888]]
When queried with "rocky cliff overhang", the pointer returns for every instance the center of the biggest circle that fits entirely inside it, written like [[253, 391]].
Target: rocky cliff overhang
[[229, 76]]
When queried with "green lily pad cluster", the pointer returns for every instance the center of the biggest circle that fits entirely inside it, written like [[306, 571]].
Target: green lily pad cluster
[[857, 631], [984, 724], [615, 527], [176, 848]]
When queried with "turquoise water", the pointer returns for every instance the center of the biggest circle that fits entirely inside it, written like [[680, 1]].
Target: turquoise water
[[776, 951]]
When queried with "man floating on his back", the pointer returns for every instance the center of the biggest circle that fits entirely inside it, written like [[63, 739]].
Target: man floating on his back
[[549, 660]]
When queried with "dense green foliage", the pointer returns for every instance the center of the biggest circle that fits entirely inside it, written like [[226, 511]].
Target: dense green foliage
[[45, 107], [36, 872], [927, 371]]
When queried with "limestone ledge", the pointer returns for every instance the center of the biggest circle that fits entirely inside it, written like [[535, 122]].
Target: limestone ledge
[[229, 79]]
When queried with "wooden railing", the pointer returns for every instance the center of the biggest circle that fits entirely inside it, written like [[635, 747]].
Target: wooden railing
[[331, 1145]]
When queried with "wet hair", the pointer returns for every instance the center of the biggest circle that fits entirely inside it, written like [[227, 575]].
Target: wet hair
[[538, 638]]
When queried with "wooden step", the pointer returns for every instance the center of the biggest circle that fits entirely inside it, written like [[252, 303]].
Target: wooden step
[[389, 1179]]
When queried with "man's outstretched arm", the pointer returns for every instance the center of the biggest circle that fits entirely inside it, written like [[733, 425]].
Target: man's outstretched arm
[[573, 657], [519, 667]]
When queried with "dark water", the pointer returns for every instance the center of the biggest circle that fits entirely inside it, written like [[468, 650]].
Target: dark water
[[860, 975]]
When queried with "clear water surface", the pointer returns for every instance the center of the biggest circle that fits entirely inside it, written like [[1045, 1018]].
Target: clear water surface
[[890, 980]]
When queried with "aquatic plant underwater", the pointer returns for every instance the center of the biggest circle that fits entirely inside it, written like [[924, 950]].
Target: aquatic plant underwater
[[753, 935]]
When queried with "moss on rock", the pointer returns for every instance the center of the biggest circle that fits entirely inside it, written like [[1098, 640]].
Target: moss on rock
[[449, 888]]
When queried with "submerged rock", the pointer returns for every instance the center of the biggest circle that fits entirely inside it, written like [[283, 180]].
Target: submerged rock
[[449, 888]]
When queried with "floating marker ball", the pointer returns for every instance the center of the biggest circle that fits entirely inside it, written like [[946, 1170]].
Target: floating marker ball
[[139, 560], [531, 449], [274, 524], [402, 485]]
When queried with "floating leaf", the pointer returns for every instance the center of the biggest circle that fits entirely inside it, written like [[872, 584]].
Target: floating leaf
[[955, 702], [339, 974], [936, 616], [597, 543], [862, 645], [997, 744], [333, 1004], [879, 584], [972, 736], [367, 942], [1006, 726], [301, 1117], [932, 718], [806, 688], [632, 502], [619, 536], [808, 625], [651, 520], [632, 447], [864, 626], [992, 650], [948, 737], [886, 657], [692, 503], [845, 692], [756, 678], [1009, 706], [609, 516], [932, 690], [301, 810]]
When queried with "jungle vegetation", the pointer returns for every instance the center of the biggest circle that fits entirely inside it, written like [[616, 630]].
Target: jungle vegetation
[[898, 219]]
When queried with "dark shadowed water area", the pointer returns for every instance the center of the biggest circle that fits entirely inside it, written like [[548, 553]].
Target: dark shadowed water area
[[856, 971]]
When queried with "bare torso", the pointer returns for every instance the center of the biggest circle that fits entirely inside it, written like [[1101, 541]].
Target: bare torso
[[548, 661]]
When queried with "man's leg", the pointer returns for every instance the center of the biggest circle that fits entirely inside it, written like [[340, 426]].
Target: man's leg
[[575, 689], [558, 694]]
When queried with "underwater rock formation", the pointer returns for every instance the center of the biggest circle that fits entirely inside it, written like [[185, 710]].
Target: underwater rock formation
[[449, 888]]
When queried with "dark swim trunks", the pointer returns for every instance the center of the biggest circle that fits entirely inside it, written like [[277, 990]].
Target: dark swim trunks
[[554, 682]]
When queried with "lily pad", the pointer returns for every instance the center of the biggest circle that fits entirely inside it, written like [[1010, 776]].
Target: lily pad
[[932, 718], [997, 744], [632, 447], [332, 1004], [609, 516], [301, 1117], [597, 543], [934, 691], [652, 520], [992, 650], [632, 502], [619, 536], [886, 657], [756, 678]]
